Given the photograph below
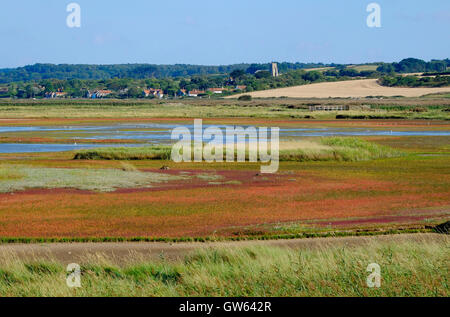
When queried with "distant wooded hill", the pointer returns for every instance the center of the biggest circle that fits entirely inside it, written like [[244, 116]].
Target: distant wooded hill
[[134, 71], [414, 65], [39, 72]]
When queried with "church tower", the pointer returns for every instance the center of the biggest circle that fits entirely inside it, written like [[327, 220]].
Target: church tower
[[275, 70]]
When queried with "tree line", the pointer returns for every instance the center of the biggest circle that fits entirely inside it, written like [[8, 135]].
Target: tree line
[[236, 81], [135, 71], [129, 81], [415, 81], [414, 65]]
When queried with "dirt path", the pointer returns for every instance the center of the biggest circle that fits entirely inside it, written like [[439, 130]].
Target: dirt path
[[122, 252], [344, 89]]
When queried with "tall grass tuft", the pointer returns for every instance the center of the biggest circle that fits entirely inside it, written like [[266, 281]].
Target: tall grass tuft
[[125, 153], [323, 149], [338, 149]]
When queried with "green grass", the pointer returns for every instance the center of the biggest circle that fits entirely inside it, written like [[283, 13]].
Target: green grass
[[441, 95], [311, 234], [10, 174], [21, 177], [126, 153], [338, 149], [408, 268], [394, 115], [324, 149], [222, 108]]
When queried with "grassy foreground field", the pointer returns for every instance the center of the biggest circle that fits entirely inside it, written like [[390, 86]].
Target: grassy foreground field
[[408, 268]]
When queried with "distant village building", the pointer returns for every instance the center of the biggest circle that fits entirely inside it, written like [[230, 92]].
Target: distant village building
[[123, 91], [98, 93], [240, 87], [329, 108], [158, 93], [103, 93], [195, 93], [217, 90], [3, 90], [57, 94]]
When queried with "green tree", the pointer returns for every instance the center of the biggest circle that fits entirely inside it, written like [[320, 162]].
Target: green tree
[[135, 92], [263, 74], [237, 74]]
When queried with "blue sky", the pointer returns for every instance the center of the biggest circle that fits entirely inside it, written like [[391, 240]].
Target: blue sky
[[211, 32]]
